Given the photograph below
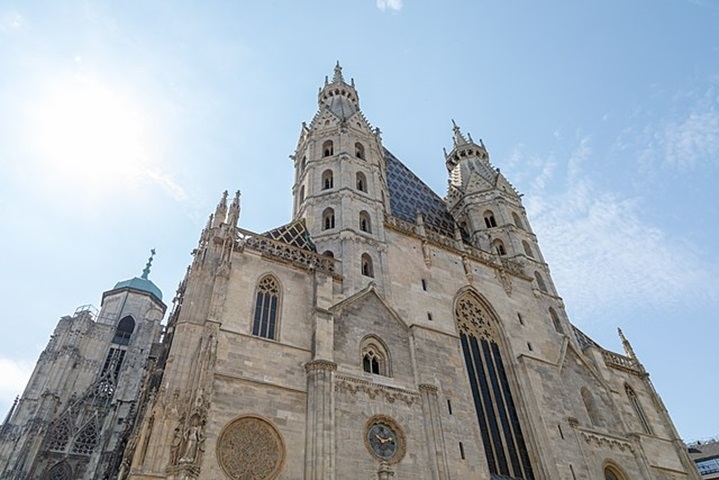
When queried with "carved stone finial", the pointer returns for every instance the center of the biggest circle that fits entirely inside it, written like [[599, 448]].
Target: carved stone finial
[[627, 346], [338, 74], [458, 138], [146, 270]]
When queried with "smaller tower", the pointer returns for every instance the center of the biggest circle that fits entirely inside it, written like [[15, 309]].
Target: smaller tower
[[75, 415]]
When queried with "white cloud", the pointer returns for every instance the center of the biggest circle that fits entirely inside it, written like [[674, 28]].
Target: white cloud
[[14, 374], [395, 5], [603, 254], [691, 140]]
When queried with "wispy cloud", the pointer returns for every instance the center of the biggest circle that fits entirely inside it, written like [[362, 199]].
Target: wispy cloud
[[11, 20], [603, 253], [395, 5], [14, 374], [691, 140]]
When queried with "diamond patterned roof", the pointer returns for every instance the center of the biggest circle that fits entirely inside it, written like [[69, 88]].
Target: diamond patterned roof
[[294, 234], [408, 195]]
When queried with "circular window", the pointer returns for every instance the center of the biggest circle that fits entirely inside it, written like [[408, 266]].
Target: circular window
[[250, 447]]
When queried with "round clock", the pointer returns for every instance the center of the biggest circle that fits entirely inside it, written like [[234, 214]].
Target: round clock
[[384, 439]]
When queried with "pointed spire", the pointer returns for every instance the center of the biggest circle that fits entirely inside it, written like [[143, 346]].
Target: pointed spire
[[234, 214], [627, 346], [146, 270], [221, 210], [337, 77], [458, 137]]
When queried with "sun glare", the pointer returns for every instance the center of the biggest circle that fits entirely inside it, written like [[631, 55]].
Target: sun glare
[[91, 135]]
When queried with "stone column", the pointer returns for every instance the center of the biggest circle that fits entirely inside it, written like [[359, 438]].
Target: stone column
[[437, 454], [319, 445]]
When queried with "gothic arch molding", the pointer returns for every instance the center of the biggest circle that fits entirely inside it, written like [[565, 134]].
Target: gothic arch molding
[[376, 345]]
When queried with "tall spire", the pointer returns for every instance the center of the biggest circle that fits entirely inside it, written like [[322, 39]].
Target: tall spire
[[234, 214], [458, 137], [627, 346], [146, 270]]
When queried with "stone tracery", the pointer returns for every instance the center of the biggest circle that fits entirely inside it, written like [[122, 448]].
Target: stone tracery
[[250, 447]]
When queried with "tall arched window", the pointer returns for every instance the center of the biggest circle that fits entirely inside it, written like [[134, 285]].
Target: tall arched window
[[540, 281], [366, 262], [328, 149], [328, 219], [359, 150], [591, 406], [494, 405], [555, 320], [267, 306], [59, 471], [375, 358], [489, 220], [124, 331], [516, 220], [327, 180], [637, 408], [527, 249], [361, 182], [364, 222]]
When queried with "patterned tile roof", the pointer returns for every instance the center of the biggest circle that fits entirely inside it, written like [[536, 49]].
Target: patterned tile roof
[[408, 195], [294, 233]]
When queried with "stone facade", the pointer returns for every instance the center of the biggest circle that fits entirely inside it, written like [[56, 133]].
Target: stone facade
[[384, 333]]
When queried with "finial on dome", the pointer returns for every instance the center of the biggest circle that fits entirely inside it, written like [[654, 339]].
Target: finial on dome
[[146, 270], [338, 74], [458, 137]]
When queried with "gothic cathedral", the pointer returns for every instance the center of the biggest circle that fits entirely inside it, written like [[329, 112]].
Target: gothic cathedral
[[384, 333]]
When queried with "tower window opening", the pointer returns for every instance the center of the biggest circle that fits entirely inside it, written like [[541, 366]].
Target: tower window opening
[[303, 164], [328, 253], [327, 180], [328, 149], [527, 249], [124, 331], [489, 219], [361, 182], [429, 316], [424, 284], [267, 305], [359, 150], [499, 247], [540, 281], [365, 224], [449, 406], [328, 219], [555, 321], [519, 317], [367, 269], [517, 220], [461, 450]]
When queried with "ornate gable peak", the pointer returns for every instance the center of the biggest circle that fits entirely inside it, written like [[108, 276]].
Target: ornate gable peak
[[367, 292]]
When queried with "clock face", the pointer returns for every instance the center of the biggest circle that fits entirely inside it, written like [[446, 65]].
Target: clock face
[[383, 441]]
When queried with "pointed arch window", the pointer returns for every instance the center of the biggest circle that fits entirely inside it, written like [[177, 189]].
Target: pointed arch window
[[327, 180], [367, 269], [497, 415], [59, 435], [375, 358], [498, 247], [267, 306], [365, 224], [359, 150], [328, 219], [59, 471], [124, 330], [516, 220], [86, 440], [637, 408], [489, 219], [328, 149], [555, 321], [540, 281], [613, 473], [527, 249], [361, 182]]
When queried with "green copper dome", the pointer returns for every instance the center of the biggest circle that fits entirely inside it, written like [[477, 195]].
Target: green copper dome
[[142, 283]]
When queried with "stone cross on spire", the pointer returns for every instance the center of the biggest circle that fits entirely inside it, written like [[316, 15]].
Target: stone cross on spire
[[146, 270]]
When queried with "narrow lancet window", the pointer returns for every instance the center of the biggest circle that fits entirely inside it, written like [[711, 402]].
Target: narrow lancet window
[[637, 409], [267, 307], [328, 149]]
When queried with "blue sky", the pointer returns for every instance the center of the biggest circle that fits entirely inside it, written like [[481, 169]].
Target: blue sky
[[121, 124]]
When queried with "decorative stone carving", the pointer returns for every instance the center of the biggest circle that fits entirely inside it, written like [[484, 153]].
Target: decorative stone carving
[[250, 448], [505, 280], [373, 391], [320, 365], [473, 318]]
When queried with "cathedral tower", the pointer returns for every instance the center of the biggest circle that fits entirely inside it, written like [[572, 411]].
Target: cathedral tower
[[340, 188], [80, 404]]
